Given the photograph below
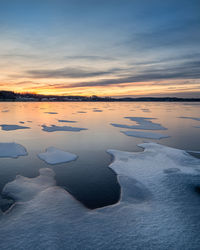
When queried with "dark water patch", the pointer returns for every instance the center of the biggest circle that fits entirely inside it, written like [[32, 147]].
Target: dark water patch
[[90, 181]]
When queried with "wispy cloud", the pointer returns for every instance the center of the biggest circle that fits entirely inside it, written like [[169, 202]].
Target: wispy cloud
[[68, 73]]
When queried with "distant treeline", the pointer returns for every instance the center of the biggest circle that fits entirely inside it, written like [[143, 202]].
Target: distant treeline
[[12, 96]]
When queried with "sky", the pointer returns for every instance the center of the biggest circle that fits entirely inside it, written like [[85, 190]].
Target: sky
[[96, 47]]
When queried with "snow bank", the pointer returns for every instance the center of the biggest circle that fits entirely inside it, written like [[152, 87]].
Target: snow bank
[[158, 209], [11, 149], [141, 134], [54, 156], [12, 127], [54, 128]]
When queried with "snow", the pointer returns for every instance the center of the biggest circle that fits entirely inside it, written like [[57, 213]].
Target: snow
[[8, 127], [54, 128], [12, 150], [141, 134], [54, 156], [67, 121], [143, 123], [158, 208]]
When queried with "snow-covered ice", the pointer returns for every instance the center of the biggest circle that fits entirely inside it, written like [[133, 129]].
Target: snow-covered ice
[[8, 127], [143, 123], [54, 128], [142, 134], [12, 150], [158, 208], [54, 156]]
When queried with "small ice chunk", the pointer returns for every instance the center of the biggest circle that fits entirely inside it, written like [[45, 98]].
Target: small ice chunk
[[67, 121], [11, 149], [81, 112], [51, 113], [21, 122], [8, 127], [97, 110], [54, 156], [148, 135], [54, 128], [5, 111]]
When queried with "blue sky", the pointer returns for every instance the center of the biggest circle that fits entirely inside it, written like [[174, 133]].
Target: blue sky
[[138, 47]]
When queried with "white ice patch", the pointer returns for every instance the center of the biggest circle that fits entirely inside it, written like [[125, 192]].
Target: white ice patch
[[143, 123], [148, 135], [158, 209], [12, 150], [54, 156], [7, 127], [54, 128], [67, 121]]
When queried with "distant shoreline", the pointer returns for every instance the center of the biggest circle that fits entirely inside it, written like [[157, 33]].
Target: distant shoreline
[[10, 96]]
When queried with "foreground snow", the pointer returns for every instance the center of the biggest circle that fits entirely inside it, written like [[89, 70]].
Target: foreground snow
[[158, 208], [148, 135], [54, 156], [11, 149]]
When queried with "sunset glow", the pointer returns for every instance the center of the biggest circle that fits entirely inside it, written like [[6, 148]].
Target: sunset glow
[[100, 48]]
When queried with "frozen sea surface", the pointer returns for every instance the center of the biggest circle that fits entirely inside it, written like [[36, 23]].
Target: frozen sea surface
[[70, 205]]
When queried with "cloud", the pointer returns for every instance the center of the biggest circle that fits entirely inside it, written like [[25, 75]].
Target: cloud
[[68, 73], [187, 70], [90, 58]]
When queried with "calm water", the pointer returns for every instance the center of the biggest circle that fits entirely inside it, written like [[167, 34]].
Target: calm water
[[88, 178]]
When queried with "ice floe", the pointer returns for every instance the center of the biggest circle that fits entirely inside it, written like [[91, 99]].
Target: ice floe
[[54, 128], [51, 113], [97, 110], [67, 121], [54, 156], [8, 127], [12, 150], [142, 134], [188, 117], [158, 208], [143, 123]]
